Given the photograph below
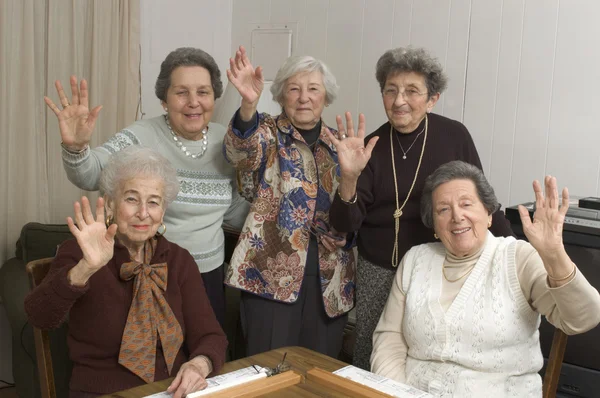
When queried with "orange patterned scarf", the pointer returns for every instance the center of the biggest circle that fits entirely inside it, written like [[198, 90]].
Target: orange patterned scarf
[[149, 316]]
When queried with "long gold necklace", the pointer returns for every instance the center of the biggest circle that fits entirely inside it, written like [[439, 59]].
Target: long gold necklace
[[398, 211], [460, 277]]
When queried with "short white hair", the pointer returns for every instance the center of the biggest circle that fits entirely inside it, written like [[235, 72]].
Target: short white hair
[[134, 162], [301, 64]]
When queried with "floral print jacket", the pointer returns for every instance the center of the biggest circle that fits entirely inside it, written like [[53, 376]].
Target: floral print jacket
[[289, 186]]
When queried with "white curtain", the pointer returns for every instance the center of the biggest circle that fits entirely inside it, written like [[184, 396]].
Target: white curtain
[[42, 41]]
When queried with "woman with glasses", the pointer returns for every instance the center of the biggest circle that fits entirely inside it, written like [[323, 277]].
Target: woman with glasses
[[379, 195], [295, 273]]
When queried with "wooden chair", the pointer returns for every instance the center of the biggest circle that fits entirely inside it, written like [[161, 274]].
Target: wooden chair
[[37, 271], [555, 359]]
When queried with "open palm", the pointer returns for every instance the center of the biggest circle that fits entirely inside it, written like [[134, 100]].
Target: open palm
[[248, 81], [353, 155], [75, 121], [94, 239], [546, 230]]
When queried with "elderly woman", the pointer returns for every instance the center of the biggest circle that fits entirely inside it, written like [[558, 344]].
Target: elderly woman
[[187, 86], [379, 195], [463, 314], [124, 285], [296, 277]]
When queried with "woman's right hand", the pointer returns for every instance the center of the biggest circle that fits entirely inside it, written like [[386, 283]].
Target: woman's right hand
[[75, 121], [248, 81], [95, 240]]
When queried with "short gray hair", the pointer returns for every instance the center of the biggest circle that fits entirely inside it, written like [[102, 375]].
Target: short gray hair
[[137, 161], [408, 59], [187, 56], [301, 64], [456, 170]]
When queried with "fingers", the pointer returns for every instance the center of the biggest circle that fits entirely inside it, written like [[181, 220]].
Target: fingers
[[52, 105], [565, 201], [74, 90], [539, 196], [551, 191], [64, 101], [93, 116], [111, 232], [87, 211], [259, 73], [78, 216], [84, 94], [232, 69], [340, 126], [371, 145], [361, 125], [175, 383], [349, 125], [525, 219], [72, 227], [100, 209]]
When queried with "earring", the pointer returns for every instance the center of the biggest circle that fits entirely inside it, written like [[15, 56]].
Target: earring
[[490, 224], [109, 220], [162, 224], [435, 236]]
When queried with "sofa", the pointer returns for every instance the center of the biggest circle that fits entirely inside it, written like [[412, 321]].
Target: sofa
[[39, 241]]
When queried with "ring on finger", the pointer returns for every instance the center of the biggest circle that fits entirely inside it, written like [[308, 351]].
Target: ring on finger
[[342, 136], [65, 105]]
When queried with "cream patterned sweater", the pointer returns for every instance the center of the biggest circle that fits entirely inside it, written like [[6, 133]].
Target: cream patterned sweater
[[207, 196], [477, 336]]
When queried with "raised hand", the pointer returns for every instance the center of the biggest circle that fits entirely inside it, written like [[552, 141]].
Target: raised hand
[[546, 230], [248, 81], [95, 240], [353, 155], [75, 121]]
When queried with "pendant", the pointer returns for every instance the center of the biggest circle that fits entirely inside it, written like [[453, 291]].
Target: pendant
[[404, 157]]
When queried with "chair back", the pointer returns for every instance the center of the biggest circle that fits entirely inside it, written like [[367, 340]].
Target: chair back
[[37, 271], [555, 359]]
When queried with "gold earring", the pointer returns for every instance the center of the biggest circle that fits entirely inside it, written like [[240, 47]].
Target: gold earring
[[109, 220], [435, 236], [162, 224], [490, 224]]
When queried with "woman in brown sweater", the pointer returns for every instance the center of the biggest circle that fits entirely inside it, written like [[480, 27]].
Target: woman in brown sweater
[[137, 308]]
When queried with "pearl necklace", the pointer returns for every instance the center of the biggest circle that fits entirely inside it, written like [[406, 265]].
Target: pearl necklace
[[182, 147]]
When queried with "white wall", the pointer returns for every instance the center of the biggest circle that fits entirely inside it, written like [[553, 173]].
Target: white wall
[[167, 25], [522, 73]]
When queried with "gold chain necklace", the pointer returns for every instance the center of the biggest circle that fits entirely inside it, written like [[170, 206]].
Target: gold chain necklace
[[460, 277], [398, 211]]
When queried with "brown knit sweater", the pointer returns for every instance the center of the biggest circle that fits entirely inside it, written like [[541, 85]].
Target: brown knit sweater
[[372, 215], [98, 313]]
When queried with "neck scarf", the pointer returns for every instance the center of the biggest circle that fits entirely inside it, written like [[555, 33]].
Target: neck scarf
[[150, 317]]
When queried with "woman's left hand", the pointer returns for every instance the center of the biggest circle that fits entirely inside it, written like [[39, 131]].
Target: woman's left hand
[[190, 378], [332, 244], [546, 230]]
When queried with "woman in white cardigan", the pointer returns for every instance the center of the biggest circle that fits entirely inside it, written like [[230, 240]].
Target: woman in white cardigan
[[462, 317]]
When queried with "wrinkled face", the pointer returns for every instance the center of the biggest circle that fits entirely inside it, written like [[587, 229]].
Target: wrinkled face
[[406, 100], [304, 99], [190, 101], [459, 218], [138, 209]]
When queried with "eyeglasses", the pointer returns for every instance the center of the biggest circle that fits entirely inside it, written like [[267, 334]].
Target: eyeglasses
[[408, 94], [319, 227]]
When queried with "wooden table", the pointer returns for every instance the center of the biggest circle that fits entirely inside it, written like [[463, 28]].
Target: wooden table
[[300, 359]]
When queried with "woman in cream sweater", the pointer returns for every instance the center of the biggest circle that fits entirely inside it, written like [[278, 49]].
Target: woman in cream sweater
[[463, 314]]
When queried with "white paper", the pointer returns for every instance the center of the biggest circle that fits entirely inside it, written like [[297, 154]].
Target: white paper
[[380, 383], [223, 381]]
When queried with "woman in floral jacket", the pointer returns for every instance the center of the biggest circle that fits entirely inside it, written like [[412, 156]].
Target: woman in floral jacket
[[296, 273]]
